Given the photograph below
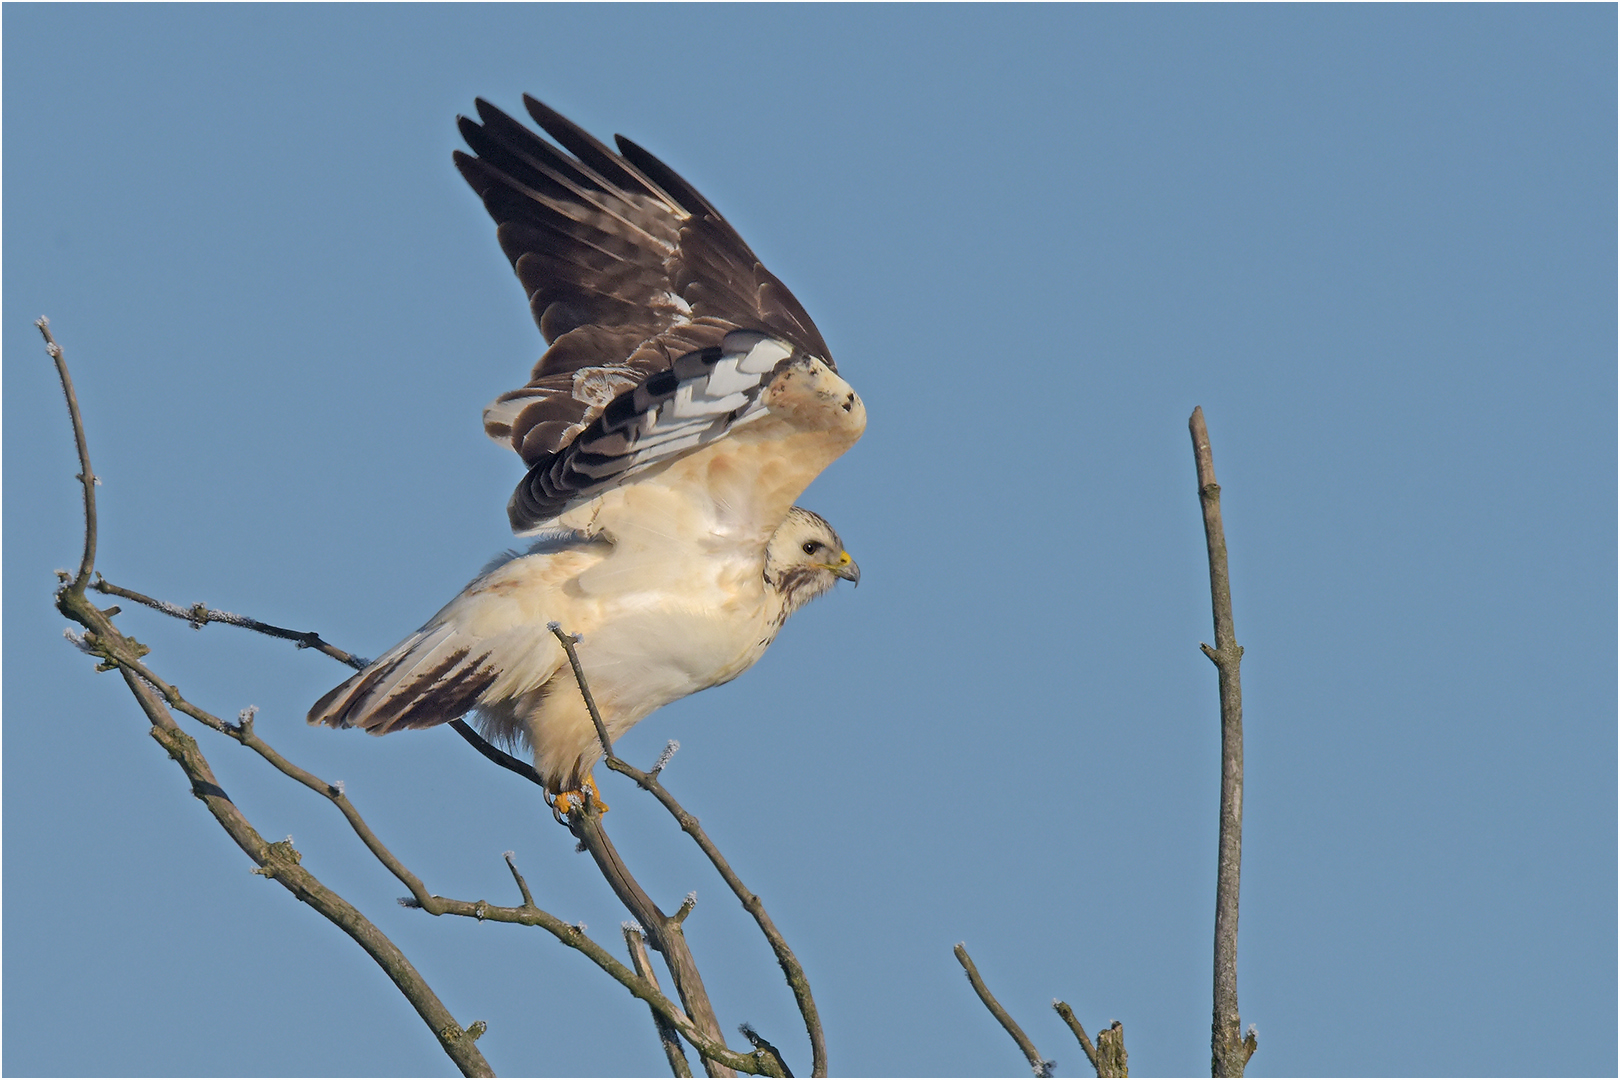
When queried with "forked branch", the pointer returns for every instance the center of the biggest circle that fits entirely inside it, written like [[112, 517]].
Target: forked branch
[[276, 861], [1107, 1057], [648, 780], [279, 861]]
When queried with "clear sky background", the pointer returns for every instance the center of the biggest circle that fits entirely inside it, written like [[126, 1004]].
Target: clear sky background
[[1376, 244]]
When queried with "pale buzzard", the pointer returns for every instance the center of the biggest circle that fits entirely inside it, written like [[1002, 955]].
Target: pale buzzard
[[685, 401]]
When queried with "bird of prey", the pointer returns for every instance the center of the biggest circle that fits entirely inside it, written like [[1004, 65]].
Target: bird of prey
[[685, 400]]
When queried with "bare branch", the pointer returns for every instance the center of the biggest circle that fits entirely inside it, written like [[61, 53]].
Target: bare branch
[[1073, 1021], [1111, 1059], [495, 753], [1108, 1056], [568, 641], [200, 615], [1230, 1052], [760, 1043], [569, 934], [574, 936], [668, 1037], [523, 886], [1039, 1065], [792, 970], [663, 931], [86, 477], [279, 861]]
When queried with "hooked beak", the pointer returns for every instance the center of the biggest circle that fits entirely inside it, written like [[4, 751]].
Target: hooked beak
[[845, 568]]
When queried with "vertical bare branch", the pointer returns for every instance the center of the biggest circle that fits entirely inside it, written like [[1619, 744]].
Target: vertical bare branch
[[1039, 1065], [1111, 1051], [667, 1034], [663, 931], [1230, 1052], [87, 561], [797, 981]]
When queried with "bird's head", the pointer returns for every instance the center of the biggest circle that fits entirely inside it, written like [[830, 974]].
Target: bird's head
[[805, 558]]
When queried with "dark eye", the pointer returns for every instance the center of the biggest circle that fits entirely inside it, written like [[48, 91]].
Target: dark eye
[[811, 547]]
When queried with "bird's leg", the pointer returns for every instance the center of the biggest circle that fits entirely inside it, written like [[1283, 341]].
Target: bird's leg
[[567, 802]]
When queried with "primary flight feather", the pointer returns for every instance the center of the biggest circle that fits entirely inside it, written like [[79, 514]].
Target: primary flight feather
[[685, 401]]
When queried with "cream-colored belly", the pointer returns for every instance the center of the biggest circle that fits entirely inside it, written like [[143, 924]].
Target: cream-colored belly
[[649, 648]]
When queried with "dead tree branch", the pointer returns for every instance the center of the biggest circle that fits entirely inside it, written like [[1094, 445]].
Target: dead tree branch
[[648, 780], [87, 560], [763, 1045], [668, 1036], [278, 861], [1230, 1051], [1039, 1065], [200, 615], [1111, 1051], [664, 932], [1107, 1057]]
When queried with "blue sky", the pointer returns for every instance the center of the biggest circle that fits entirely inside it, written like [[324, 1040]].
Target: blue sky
[[1376, 244]]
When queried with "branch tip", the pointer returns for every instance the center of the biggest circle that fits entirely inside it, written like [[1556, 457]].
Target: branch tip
[[1039, 1065], [664, 758]]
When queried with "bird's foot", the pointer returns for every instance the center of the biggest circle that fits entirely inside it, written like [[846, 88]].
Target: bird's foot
[[567, 802]]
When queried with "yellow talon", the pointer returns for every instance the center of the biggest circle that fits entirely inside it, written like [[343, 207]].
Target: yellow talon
[[568, 802]]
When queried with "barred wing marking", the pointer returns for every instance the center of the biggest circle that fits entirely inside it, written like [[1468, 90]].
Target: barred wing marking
[[701, 397], [430, 677], [629, 272]]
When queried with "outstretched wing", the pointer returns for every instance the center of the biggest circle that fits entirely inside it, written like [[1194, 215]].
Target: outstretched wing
[[664, 328]]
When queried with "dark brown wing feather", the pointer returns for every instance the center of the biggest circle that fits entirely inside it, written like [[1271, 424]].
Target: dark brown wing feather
[[628, 269]]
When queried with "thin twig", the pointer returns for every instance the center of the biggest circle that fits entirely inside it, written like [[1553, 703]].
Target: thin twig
[[792, 970], [279, 861], [1230, 1051], [495, 753], [276, 861], [517, 876], [1039, 1065], [568, 641], [668, 1036], [86, 477], [200, 615]]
